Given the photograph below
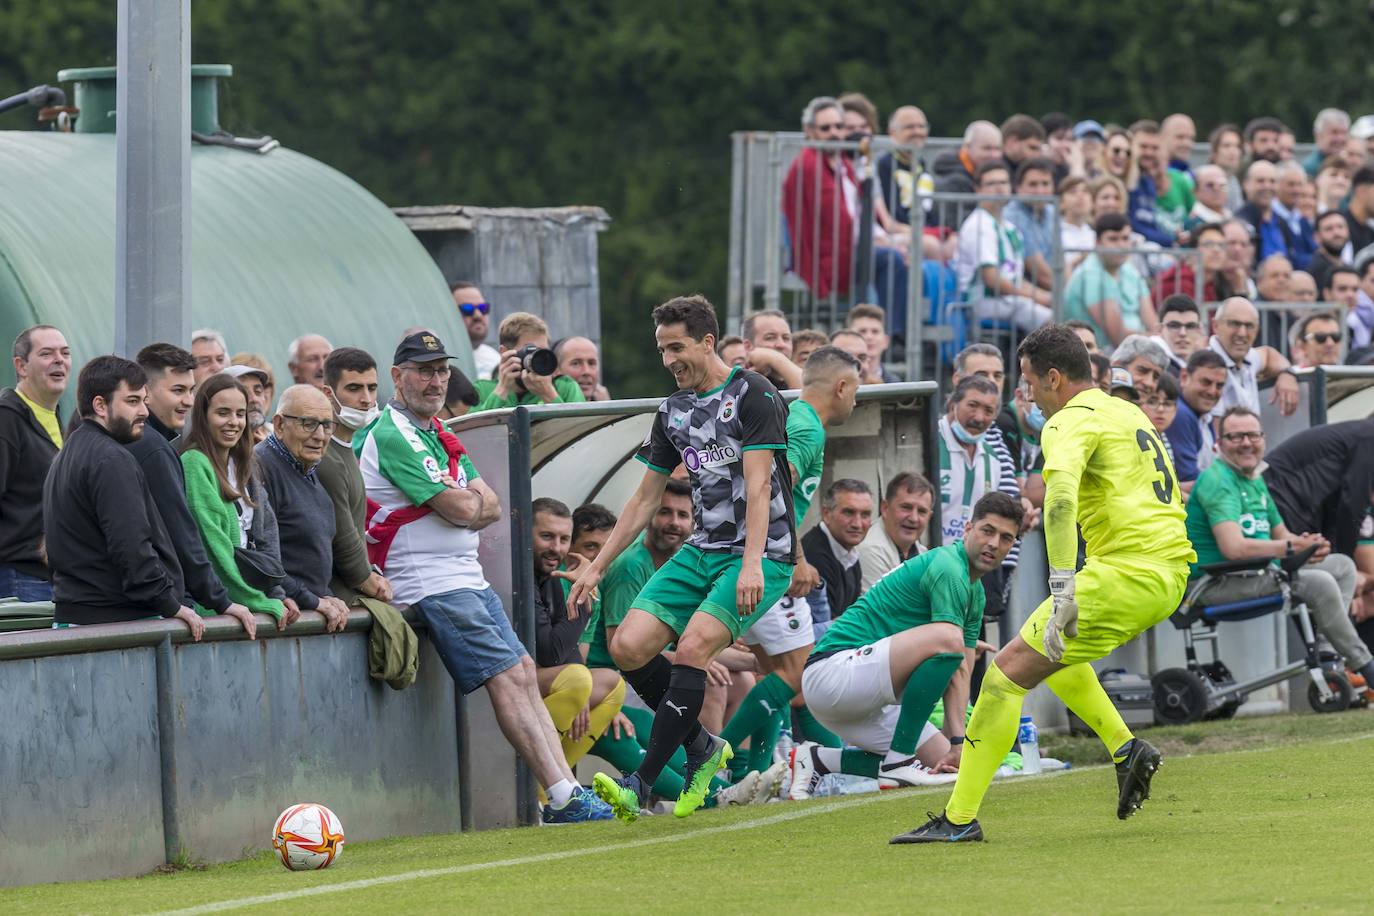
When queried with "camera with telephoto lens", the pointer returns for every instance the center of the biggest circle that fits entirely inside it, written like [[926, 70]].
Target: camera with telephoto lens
[[536, 359]]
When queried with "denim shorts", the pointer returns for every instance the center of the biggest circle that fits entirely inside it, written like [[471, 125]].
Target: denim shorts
[[14, 584], [472, 634]]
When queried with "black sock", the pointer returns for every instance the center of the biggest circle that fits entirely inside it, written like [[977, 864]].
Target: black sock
[[1122, 754], [698, 743], [651, 682], [675, 720]]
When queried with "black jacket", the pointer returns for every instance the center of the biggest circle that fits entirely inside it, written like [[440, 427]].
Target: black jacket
[[1321, 480], [555, 636], [842, 585], [166, 480], [110, 554], [26, 452]]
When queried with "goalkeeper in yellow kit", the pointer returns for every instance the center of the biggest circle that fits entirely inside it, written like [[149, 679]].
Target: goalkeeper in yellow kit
[[1106, 470]]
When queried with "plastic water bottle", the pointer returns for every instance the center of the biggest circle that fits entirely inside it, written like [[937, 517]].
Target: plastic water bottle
[[857, 785], [782, 751], [827, 785], [1029, 737]]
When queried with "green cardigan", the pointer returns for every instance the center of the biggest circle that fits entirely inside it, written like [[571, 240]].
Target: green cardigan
[[568, 393], [218, 522]]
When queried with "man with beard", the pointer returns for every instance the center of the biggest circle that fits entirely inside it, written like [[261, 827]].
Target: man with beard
[[30, 435], [111, 556], [171, 392], [1333, 243], [255, 381]]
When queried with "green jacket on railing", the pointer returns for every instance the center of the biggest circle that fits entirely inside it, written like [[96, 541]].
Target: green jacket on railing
[[568, 393], [218, 522]]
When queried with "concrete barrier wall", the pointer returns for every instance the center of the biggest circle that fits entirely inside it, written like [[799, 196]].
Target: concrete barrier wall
[[141, 747]]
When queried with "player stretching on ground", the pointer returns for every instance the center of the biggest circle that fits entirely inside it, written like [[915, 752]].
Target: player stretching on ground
[[1106, 469], [782, 639], [875, 676], [729, 427]]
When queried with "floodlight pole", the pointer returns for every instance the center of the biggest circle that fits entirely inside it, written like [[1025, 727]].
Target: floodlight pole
[[153, 174]]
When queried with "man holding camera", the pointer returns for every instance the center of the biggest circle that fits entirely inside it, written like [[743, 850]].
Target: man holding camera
[[527, 373]]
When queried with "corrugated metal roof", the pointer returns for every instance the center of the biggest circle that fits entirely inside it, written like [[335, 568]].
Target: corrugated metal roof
[[281, 245]]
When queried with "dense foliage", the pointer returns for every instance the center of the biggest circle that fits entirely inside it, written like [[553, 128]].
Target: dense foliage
[[630, 105]]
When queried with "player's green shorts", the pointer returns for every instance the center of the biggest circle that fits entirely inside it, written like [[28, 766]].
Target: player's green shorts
[[1118, 599], [694, 580]]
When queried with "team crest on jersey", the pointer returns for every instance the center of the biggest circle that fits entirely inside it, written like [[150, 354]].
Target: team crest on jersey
[[809, 486], [727, 410]]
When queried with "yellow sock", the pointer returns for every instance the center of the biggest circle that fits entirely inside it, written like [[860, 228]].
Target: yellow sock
[[1081, 691], [991, 732], [600, 717]]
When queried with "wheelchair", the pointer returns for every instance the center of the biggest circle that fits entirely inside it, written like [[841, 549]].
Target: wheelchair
[[1208, 690]]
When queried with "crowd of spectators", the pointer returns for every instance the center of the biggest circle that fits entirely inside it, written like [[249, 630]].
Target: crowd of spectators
[[1138, 215]]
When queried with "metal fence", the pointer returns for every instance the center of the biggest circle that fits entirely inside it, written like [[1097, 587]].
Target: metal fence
[[1278, 321]]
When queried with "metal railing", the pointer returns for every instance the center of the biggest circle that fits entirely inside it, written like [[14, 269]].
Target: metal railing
[[1277, 321]]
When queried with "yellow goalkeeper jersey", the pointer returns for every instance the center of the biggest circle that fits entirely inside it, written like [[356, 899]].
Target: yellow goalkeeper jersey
[[1107, 469]]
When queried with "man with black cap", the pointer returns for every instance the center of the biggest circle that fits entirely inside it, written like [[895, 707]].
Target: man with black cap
[[426, 503]]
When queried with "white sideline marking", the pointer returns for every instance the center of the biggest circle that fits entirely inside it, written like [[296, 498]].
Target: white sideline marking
[[791, 815]]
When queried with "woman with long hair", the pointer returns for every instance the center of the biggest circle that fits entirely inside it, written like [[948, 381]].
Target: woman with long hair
[[1227, 152], [1118, 158], [226, 499]]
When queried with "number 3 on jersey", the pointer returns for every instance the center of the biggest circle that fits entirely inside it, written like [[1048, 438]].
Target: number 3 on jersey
[[1164, 490]]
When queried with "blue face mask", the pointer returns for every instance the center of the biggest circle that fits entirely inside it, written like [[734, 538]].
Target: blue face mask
[[964, 435], [1036, 418]]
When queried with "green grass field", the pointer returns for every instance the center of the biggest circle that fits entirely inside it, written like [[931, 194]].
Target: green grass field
[[1250, 815]]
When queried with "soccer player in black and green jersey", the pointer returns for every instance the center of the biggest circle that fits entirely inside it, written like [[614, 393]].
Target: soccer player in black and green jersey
[[728, 426], [875, 676]]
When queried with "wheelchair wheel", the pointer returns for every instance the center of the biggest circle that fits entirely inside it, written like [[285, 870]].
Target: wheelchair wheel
[[1180, 696], [1342, 694]]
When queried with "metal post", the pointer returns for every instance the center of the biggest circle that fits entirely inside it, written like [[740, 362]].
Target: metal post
[[739, 231], [522, 584], [153, 174], [772, 245], [166, 740]]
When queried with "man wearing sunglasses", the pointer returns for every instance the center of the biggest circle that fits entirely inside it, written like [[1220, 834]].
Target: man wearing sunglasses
[[475, 309], [1316, 340]]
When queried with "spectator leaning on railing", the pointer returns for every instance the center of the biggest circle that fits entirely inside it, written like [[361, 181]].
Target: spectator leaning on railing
[[171, 386], [1235, 327], [305, 514], [514, 384], [350, 381], [111, 557], [30, 436], [426, 504], [1232, 516], [229, 503]]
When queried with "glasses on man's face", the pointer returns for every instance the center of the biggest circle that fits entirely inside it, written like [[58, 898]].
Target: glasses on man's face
[[468, 308], [1238, 438], [310, 424], [1323, 337], [1182, 325], [430, 373]]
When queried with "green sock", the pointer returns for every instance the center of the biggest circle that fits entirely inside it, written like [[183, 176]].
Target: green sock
[[768, 698], [761, 744], [860, 763], [813, 730], [923, 690]]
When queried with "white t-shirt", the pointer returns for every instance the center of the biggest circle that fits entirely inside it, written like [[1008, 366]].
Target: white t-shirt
[[486, 358], [1242, 379], [401, 466], [245, 509], [985, 240], [1077, 242]]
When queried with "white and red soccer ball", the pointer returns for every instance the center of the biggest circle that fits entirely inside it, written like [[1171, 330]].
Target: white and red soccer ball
[[307, 837]]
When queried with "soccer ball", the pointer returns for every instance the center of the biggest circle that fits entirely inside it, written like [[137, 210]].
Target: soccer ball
[[307, 837]]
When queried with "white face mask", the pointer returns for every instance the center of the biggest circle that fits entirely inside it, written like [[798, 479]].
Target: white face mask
[[354, 418]]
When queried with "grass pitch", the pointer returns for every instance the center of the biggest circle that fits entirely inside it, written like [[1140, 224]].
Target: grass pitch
[[1266, 817]]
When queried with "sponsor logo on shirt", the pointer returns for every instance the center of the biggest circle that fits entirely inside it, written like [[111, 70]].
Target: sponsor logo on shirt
[[712, 456], [432, 468]]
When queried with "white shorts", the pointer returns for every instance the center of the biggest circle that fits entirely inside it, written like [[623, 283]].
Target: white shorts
[[851, 694], [783, 627]]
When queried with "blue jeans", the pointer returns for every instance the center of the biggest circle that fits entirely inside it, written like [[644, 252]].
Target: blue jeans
[[890, 278], [472, 634], [14, 584]]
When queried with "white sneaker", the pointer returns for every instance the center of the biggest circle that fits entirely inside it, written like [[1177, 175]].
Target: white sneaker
[[743, 792], [901, 776], [770, 781], [805, 774]]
